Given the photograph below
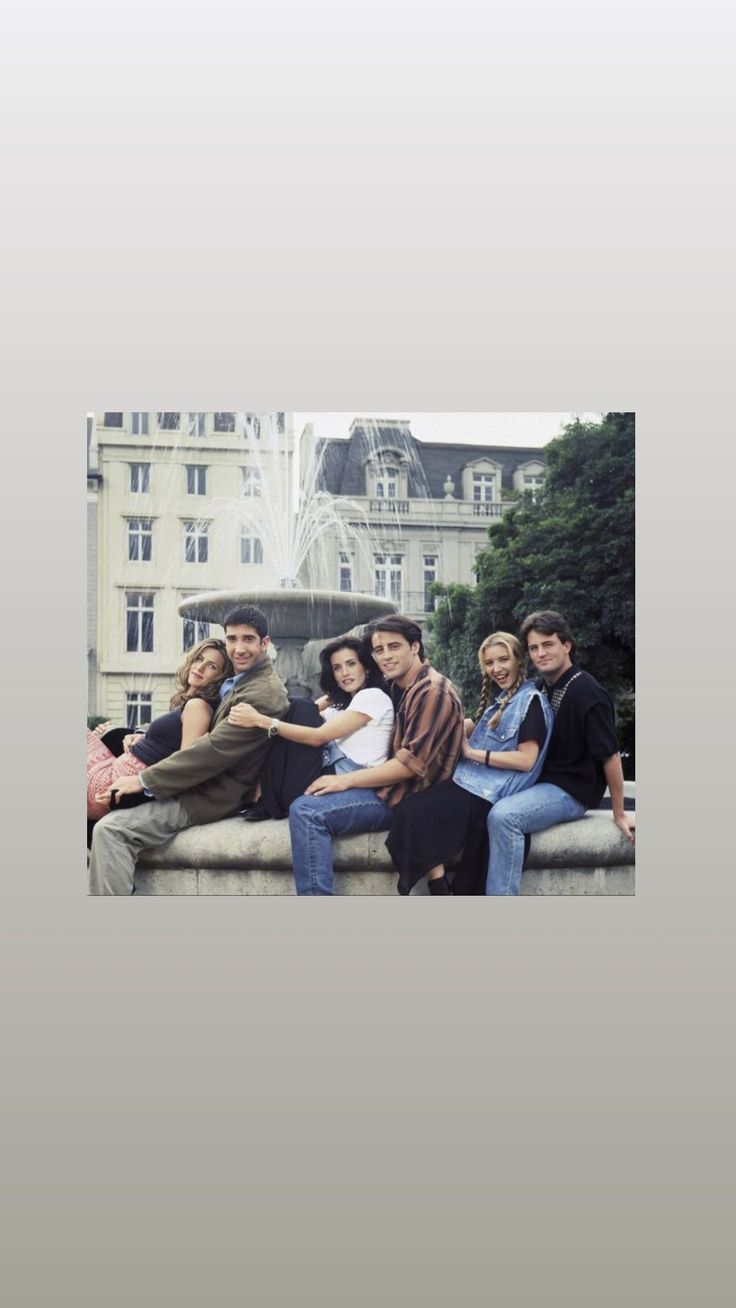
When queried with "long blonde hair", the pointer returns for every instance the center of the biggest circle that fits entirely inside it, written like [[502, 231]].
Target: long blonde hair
[[518, 654], [211, 692]]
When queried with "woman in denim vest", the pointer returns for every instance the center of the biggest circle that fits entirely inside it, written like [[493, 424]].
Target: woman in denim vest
[[505, 752]]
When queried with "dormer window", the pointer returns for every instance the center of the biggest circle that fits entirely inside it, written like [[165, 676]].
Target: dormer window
[[529, 477], [484, 487], [386, 476], [387, 480], [481, 482]]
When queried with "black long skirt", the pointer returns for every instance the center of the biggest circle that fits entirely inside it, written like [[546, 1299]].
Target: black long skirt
[[435, 827]]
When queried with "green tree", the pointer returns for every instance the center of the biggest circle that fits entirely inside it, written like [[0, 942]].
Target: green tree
[[571, 549]]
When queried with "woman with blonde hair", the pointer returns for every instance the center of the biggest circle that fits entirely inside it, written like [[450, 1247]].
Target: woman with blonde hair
[[196, 695], [508, 740]]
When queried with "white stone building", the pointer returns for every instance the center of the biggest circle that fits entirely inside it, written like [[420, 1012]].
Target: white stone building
[[176, 495], [180, 503], [421, 510]]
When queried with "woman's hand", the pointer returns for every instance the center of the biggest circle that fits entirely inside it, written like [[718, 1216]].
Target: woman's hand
[[467, 751], [244, 715], [121, 786], [129, 741], [323, 702], [101, 728], [329, 785]]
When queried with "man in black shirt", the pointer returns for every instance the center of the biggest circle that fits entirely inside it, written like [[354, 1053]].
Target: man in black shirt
[[583, 755]]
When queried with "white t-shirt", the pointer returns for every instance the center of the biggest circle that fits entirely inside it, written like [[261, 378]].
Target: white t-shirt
[[370, 744]]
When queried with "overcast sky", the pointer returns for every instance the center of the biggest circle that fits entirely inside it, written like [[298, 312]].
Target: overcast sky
[[461, 428]]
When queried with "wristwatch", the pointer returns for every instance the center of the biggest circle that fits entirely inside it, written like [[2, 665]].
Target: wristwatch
[[273, 730]]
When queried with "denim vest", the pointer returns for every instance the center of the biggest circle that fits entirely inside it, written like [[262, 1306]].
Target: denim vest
[[493, 783]]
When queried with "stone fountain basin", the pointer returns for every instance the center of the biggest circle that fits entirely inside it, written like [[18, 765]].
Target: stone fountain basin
[[302, 614], [233, 857]]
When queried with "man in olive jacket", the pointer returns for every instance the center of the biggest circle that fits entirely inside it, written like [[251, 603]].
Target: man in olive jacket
[[209, 780]]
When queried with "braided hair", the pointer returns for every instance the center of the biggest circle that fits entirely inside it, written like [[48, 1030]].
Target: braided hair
[[518, 654]]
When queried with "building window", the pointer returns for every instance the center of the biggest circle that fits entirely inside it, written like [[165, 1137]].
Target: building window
[[533, 483], [139, 622], [386, 483], [388, 571], [139, 708], [224, 422], [195, 542], [280, 422], [251, 549], [139, 539], [168, 421], [345, 579], [196, 425], [113, 419], [430, 575], [484, 487], [139, 424], [252, 425], [194, 631], [252, 482], [196, 479], [140, 478]]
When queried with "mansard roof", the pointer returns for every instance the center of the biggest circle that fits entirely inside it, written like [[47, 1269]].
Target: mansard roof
[[428, 464]]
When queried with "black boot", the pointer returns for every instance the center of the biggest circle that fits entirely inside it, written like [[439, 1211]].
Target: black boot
[[257, 813]]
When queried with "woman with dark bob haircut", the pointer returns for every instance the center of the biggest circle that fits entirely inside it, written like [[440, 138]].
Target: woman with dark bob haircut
[[196, 694], [357, 715]]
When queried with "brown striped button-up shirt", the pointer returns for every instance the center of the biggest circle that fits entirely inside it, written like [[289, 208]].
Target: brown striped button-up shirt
[[428, 733]]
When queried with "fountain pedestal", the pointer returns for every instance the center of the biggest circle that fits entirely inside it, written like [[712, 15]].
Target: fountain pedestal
[[294, 617]]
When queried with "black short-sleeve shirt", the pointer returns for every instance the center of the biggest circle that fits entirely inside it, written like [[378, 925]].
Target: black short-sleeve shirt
[[583, 736], [533, 727]]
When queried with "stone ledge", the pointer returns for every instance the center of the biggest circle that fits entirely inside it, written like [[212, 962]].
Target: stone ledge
[[233, 857]]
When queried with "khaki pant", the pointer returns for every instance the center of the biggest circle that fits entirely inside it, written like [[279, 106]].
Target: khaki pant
[[119, 837]]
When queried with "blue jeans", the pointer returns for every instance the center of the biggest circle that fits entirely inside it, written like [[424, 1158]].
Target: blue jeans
[[535, 809], [315, 819]]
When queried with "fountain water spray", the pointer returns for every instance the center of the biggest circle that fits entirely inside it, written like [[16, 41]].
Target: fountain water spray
[[290, 521]]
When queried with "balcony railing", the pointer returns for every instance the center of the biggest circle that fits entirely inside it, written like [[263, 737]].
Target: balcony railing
[[436, 511], [487, 508], [389, 506]]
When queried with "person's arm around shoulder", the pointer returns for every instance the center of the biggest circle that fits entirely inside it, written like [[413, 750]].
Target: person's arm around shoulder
[[196, 717], [221, 748]]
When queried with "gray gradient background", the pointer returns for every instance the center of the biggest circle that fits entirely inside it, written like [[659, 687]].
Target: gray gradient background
[[367, 1101]]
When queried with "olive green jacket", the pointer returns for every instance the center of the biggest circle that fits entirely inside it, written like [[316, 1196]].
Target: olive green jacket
[[215, 776]]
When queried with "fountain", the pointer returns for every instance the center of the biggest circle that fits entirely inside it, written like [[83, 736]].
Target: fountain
[[289, 519]]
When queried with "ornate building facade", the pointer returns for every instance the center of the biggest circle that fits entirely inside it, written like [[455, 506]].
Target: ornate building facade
[[179, 503], [419, 510]]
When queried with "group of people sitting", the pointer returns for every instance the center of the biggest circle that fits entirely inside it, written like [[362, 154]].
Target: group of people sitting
[[386, 748]]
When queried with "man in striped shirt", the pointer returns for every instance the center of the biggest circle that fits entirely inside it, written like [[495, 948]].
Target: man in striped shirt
[[428, 734]]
